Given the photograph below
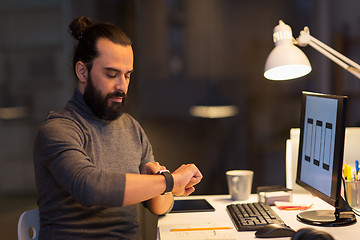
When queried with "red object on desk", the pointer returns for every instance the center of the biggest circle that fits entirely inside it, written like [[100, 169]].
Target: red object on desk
[[292, 206]]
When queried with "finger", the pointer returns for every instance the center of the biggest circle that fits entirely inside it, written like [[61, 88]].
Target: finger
[[155, 167], [189, 191], [193, 181], [197, 173], [159, 166], [196, 180], [147, 168]]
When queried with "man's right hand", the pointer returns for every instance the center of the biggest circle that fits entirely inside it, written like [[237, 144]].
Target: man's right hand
[[185, 178]]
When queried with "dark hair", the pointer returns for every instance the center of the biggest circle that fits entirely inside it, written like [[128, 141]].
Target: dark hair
[[88, 33]]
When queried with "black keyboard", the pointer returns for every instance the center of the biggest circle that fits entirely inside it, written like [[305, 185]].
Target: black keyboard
[[252, 216]]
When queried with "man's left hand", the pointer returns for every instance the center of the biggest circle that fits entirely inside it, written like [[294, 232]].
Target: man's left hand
[[152, 168]]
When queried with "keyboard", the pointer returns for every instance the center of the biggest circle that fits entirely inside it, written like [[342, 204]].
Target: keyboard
[[252, 216]]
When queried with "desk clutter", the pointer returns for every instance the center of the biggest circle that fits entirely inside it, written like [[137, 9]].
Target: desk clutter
[[351, 174], [352, 184], [353, 193], [272, 194]]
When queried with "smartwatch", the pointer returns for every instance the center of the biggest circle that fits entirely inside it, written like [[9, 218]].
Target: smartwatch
[[168, 179]]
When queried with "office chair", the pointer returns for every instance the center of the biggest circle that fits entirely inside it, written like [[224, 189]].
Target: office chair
[[29, 225]]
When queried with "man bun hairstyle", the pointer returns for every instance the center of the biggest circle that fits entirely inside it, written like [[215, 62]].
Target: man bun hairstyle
[[78, 26], [88, 33]]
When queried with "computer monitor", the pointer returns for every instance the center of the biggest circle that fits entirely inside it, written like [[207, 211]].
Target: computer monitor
[[320, 161]]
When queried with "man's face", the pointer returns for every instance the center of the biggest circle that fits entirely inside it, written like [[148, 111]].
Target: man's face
[[108, 81]]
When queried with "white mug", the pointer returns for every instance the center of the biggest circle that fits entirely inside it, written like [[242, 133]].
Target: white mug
[[239, 183]]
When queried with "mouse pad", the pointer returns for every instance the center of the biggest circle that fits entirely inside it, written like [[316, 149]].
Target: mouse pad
[[192, 205]]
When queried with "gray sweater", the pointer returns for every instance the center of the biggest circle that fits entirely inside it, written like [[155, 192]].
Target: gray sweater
[[80, 164]]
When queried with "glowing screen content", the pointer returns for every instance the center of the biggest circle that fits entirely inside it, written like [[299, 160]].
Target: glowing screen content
[[318, 143]]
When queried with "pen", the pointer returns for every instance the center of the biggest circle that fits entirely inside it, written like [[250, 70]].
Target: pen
[[198, 229], [345, 171], [357, 170], [348, 172]]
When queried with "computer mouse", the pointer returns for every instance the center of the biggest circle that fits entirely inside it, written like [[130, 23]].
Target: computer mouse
[[274, 230]]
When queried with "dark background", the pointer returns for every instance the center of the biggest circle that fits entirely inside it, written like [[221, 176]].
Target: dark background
[[182, 47]]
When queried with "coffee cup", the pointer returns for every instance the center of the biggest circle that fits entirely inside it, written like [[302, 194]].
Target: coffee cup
[[239, 184]]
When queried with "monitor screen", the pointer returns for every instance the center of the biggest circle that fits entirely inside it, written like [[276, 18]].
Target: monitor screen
[[320, 161]]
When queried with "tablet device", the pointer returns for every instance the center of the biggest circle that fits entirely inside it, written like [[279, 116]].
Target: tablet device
[[192, 205]]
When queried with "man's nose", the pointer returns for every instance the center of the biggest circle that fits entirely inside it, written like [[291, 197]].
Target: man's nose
[[121, 84]]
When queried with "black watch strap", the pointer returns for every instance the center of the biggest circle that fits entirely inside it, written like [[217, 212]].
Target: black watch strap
[[168, 179]]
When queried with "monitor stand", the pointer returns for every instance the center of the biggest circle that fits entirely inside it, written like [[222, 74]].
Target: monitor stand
[[342, 215]]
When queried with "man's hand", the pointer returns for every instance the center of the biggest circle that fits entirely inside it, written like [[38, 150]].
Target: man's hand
[[185, 178], [152, 168]]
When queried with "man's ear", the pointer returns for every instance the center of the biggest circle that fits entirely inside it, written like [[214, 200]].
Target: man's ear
[[81, 71]]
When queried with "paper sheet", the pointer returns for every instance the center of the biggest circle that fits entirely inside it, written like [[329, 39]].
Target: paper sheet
[[167, 234]]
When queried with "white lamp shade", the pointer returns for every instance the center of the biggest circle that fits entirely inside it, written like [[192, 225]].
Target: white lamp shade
[[286, 61]]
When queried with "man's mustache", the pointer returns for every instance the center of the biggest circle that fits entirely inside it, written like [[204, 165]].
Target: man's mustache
[[117, 94]]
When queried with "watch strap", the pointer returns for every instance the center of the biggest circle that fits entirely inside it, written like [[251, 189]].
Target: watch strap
[[168, 179]]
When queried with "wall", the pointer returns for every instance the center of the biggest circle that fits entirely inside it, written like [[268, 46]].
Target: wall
[[34, 75]]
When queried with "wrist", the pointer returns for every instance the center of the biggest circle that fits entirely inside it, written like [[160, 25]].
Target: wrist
[[169, 180]]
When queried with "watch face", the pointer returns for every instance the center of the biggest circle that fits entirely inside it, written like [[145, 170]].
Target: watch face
[[161, 171]]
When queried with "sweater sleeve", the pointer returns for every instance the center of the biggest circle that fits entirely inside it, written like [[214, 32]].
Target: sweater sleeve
[[59, 150]]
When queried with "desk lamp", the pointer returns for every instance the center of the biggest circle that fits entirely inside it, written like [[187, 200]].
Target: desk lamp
[[286, 61]]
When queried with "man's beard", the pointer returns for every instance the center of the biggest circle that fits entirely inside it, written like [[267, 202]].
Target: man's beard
[[99, 104]]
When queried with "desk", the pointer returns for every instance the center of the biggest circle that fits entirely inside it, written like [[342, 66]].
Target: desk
[[220, 215]]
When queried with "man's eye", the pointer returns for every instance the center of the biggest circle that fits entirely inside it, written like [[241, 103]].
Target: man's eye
[[111, 75]]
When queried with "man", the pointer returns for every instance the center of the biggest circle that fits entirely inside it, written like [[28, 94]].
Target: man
[[92, 161]]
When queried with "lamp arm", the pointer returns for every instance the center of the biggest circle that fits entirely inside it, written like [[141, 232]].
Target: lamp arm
[[335, 53], [306, 39], [340, 61]]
